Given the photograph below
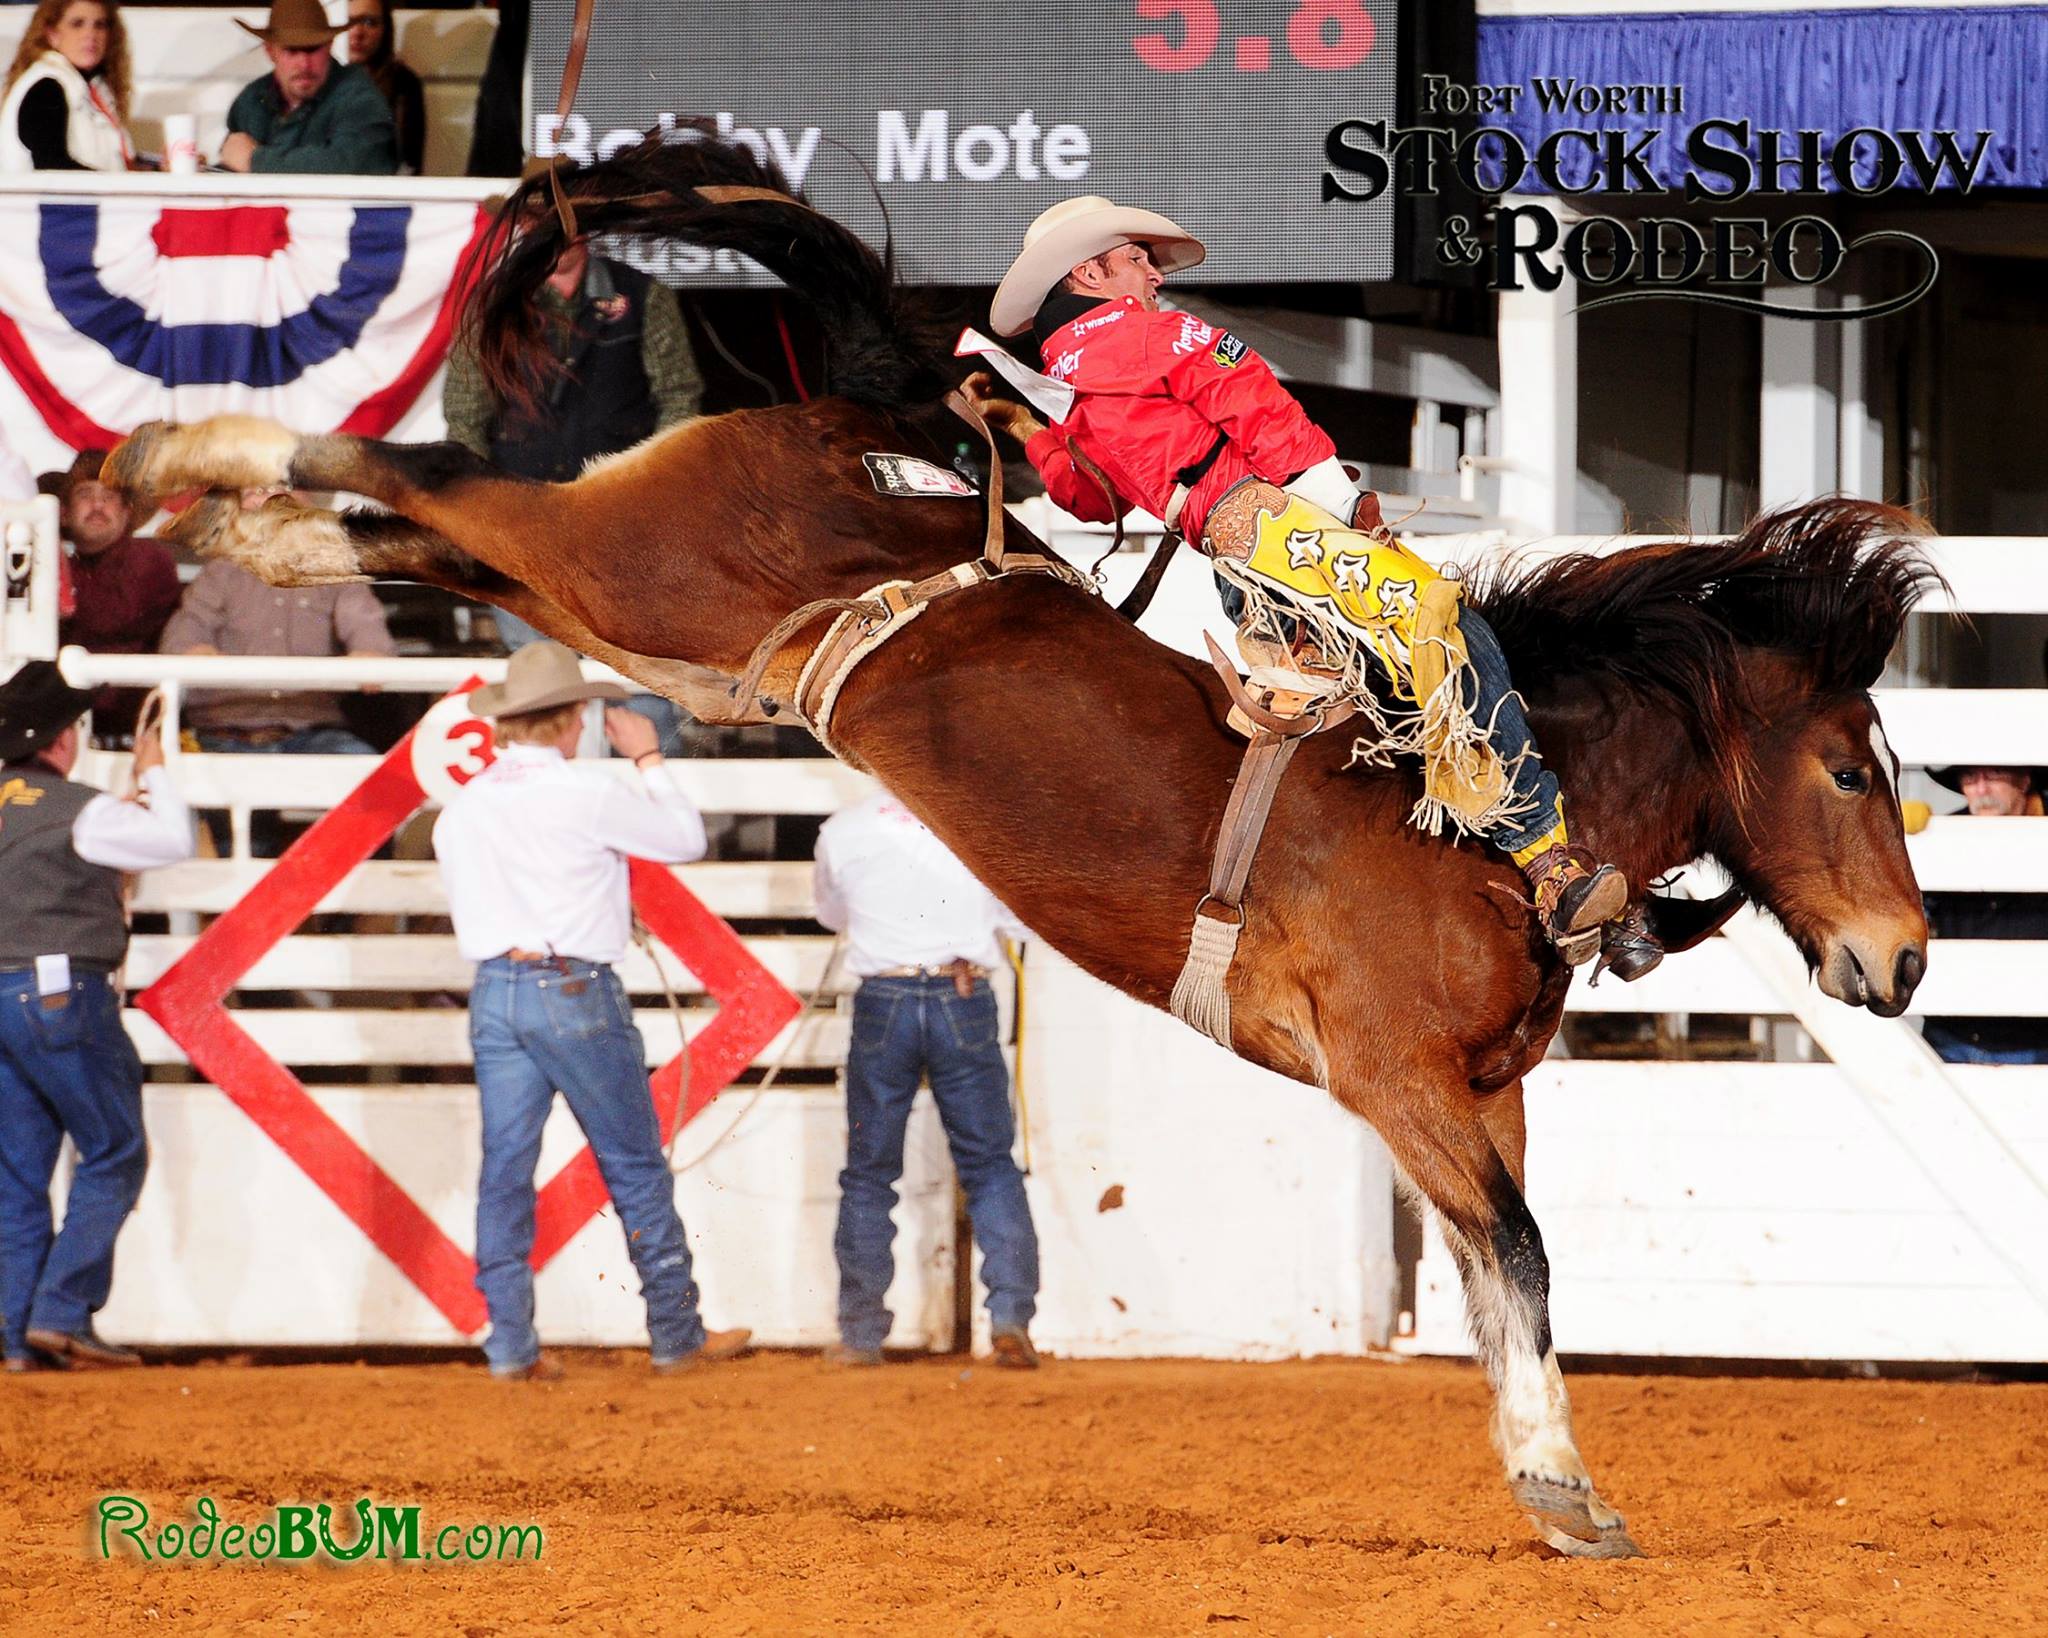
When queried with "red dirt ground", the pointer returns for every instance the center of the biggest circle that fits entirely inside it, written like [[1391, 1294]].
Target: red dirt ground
[[776, 1496]]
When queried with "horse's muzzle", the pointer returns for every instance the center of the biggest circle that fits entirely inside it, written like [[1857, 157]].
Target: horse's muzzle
[[1847, 976]]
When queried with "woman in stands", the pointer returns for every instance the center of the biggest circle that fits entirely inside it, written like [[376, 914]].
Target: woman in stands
[[67, 93], [371, 45]]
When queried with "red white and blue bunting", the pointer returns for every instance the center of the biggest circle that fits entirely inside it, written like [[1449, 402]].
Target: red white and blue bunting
[[320, 314]]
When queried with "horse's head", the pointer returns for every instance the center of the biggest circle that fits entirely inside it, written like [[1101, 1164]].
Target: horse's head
[[1814, 834], [1761, 652]]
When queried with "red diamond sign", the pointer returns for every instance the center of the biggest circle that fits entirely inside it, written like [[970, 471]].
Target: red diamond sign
[[446, 750]]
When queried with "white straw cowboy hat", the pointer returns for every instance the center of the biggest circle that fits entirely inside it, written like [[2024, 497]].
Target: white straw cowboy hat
[[1075, 231], [299, 23], [539, 677]]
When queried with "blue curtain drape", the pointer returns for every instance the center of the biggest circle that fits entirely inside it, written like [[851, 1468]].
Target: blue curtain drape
[[1967, 69]]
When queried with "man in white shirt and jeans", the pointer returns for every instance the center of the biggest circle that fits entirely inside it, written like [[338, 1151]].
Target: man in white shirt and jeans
[[67, 1067], [922, 936], [533, 853]]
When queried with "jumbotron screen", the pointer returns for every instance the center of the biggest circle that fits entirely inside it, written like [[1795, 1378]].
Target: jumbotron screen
[[976, 115]]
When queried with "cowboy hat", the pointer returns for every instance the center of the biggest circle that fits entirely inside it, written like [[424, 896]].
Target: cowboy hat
[[539, 677], [1075, 231], [299, 23], [1951, 778], [36, 705]]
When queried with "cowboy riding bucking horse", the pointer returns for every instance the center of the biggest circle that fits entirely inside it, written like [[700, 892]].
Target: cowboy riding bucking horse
[[1180, 417]]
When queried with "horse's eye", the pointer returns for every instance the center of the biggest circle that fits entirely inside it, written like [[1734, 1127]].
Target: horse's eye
[[1853, 780]]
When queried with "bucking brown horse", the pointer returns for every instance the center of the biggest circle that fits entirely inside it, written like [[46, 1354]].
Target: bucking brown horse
[[1694, 700]]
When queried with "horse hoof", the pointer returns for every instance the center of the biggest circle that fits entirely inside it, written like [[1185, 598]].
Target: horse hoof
[[1566, 1519], [127, 465], [204, 525]]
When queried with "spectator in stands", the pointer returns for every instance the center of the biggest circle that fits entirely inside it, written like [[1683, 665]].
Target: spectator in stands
[[309, 113], [373, 47], [922, 935], [227, 610], [67, 93], [624, 371], [1991, 793], [67, 1067], [125, 588], [533, 852]]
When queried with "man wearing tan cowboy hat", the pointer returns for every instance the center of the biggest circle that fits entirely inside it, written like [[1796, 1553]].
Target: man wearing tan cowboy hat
[[310, 113], [1187, 421], [533, 853]]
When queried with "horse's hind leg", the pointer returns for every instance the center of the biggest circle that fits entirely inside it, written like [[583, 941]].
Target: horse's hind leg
[[286, 543], [443, 488], [1441, 1140]]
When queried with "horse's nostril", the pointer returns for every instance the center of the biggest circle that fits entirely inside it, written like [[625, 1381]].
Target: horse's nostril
[[1911, 968]]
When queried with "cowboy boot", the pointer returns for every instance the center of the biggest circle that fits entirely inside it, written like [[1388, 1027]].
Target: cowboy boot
[[1279, 680], [1575, 894], [1628, 948]]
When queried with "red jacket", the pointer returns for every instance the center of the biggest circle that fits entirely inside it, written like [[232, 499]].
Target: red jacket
[[1153, 390]]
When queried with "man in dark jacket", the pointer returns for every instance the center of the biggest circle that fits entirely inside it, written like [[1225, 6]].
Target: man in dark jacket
[[627, 373], [67, 1067], [310, 113]]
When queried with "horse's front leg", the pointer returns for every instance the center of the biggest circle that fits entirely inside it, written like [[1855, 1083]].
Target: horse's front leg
[[1441, 1138]]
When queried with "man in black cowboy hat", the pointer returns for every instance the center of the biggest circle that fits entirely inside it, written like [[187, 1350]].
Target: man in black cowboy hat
[[1992, 793], [67, 1067], [310, 113]]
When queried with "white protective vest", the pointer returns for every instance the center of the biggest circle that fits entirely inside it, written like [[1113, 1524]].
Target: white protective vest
[[95, 137]]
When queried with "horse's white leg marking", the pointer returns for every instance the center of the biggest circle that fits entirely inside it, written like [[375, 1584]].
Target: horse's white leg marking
[[1532, 1417]]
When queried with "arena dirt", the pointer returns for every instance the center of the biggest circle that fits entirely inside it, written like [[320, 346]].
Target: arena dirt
[[775, 1496]]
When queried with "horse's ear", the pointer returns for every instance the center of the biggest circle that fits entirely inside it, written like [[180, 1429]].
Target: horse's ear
[[1681, 923]]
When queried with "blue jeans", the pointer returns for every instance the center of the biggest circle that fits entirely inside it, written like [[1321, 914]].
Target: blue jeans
[[1493, 700], [535, 1028], [905, 1029], [1955, 1050], [64, 1069]]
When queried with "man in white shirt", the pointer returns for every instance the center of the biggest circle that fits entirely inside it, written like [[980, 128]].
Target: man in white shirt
[[922, 936], [533, 853], [67, 1067]]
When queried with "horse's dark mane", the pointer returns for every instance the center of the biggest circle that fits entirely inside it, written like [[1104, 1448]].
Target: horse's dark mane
[[1826, 585], [884, 348]]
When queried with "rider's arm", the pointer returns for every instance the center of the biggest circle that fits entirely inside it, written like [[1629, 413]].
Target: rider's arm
[[1071, 489], [1237, 390]]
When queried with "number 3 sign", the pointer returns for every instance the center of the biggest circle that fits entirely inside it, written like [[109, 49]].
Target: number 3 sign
[[450, 747]]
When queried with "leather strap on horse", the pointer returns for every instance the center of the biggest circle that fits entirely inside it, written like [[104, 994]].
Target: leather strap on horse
[[992, 539], [572, 76], [1199, 997]]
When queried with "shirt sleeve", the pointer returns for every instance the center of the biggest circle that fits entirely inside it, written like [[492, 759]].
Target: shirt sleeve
[[1235, 388], [827, 897], [1071, 489], [201, 615], [128, 836], [359, 622], [658, 822], [43, 122], [466, 402], [672, 374]]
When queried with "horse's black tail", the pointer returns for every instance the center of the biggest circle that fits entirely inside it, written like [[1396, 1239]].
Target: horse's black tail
[[718, 195]]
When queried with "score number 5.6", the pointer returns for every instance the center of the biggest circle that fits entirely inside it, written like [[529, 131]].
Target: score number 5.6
[[1321, 34]]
